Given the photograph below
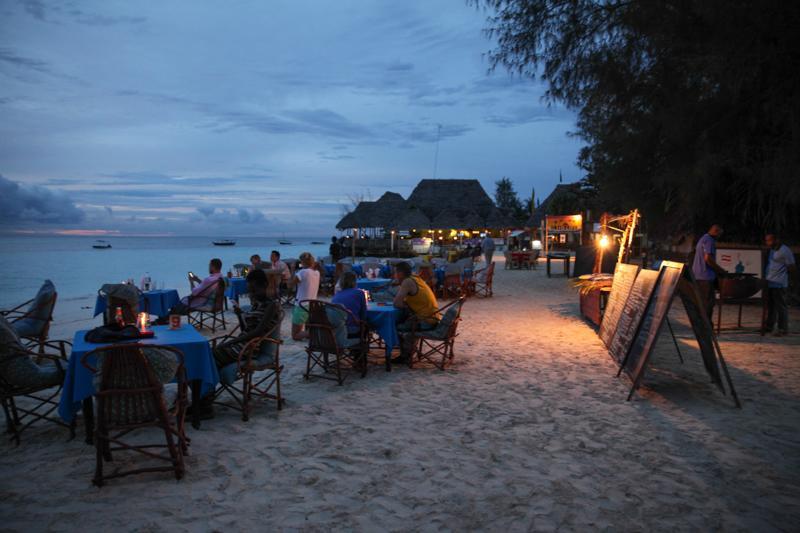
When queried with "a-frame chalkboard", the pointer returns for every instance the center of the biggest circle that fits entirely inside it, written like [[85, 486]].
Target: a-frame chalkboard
[[624, 276], [651, 313]]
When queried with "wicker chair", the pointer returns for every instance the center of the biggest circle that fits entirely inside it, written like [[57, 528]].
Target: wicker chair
[[129, 309], [130, 396], [32, 319], [329, 346], [435, 346], [202, 308], [481, 282], [38, 386], [248, 363]]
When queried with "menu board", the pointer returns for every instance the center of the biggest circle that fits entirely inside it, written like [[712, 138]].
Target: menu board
[[656, 311], [624, 276], [702, 327], [631, 314]]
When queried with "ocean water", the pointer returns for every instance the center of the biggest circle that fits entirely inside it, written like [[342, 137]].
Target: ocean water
[[78, 270]]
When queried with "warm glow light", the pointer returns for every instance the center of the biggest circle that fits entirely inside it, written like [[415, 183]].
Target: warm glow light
[[603, 241], [143, 320]]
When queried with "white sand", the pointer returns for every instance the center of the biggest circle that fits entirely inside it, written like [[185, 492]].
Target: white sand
[[529, 430]]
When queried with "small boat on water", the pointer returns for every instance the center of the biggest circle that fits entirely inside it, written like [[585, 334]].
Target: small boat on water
[[317, 242], [284, 241], [101, 245], [224, 242]]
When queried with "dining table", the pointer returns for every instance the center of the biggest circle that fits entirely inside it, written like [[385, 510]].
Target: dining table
[[156, 302], [371, 284], [78, 391], [235, 287], [382, 318], [441, 272]]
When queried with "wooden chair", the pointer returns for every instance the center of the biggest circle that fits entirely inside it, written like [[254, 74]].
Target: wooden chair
[[435, 345], [130, 396], [481, 282], [39, 386], [202, 308], [329, 346], [129, 312], [248, 363], [32, 319], [453, 284]]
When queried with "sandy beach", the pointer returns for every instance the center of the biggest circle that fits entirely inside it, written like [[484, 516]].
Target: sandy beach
[[529, 430]]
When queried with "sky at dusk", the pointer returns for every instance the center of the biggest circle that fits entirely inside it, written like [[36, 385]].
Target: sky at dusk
[[254, 117]]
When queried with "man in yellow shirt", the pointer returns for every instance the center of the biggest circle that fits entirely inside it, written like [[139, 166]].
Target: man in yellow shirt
[[418, 303]]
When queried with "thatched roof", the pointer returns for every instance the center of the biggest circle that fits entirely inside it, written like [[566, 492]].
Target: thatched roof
[[434, 196], [410, 218], [433, 204]]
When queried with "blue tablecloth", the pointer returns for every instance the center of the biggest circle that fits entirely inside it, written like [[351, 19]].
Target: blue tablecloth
[[440, 273], [154, 302], [383, 319], [197, 359], [236, 287], [386, 270], [372, 284]]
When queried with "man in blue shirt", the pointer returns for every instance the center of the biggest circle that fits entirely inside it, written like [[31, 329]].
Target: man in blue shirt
[[780, 263], [353, 299], [705, 267]]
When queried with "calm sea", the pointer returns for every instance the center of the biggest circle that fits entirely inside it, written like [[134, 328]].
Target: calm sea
[[78, 270]]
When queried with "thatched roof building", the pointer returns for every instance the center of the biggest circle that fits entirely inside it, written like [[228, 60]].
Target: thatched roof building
[[432, 205], [563, 193]]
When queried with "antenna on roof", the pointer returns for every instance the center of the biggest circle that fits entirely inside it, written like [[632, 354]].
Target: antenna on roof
[[436, 156]]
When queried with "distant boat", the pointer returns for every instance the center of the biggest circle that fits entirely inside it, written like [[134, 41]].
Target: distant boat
[[224, 242], [101, 245], [317, 242], [284, 241]]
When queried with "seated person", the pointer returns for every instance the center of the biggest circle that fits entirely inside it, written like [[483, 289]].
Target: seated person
[[257, 263], [280, 266], [418, 304], [201, 295], [415, 298], [257, 321], [352, 299]]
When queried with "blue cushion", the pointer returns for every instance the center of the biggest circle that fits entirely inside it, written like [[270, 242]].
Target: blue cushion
[[18, 368], [38, 312]]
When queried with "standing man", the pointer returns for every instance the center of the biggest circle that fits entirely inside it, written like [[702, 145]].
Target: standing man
[[280, 266], [705, 267], [306, 279], [779, 264], [487, 246], [335, 250]]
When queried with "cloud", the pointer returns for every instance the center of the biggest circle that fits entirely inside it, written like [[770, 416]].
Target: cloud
[[20, 204], [110, 211], [206, 211], [527, 115]]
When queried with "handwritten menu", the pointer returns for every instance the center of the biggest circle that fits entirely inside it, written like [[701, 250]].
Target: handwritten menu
[[703, 330], [624, 276], [656, 312], [632, 313]]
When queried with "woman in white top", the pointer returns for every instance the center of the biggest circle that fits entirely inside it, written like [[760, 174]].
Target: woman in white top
[[306, 279]]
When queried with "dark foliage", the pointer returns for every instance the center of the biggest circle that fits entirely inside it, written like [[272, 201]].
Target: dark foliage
[[690, 109]]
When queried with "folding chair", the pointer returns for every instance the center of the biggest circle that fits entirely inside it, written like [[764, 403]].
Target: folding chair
[[202, 307], [435, 346]]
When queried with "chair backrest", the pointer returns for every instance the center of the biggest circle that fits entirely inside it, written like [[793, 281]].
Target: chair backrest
[[123, 296], [35, 321], [451, 316], [129, 381], [219, 296], [452, 269], [17, 369], [321, 333]]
